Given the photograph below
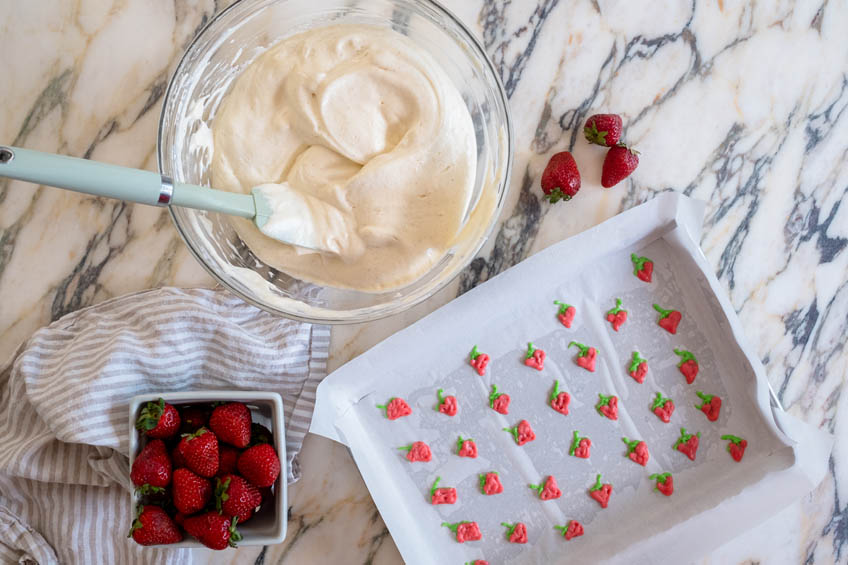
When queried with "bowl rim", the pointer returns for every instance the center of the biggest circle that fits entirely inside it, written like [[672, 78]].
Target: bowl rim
[[359, 315]]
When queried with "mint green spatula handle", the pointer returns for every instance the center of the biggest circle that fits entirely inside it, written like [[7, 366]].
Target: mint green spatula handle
[[112, 181]]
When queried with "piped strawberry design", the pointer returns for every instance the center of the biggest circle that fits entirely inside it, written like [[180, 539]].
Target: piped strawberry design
[[464, 531], [559, 400], [478, 360], [665, 483], [522, 433], [687, 443], [466, 448], [442, 495], [447, 404], [638, 368], [490, 483], [601, 492], [477, 562], [534, 357], [549, 490], [499, 401], [663, 407], [710, 405], [617, 316], [571, 530], [586, 357], [516, 533], [736, 447], [669, 319], [417, 452], [637, 451], [566, 313], [607, 406], [643, 267], [688, 365], [580, 446], [396, 408]]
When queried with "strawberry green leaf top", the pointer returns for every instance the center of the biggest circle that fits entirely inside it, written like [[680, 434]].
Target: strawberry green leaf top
[[638, 263], [530, 350], [659, 401], [685, 356], [617, 308], [734, 439], [598, 485], [563, 307], [684, 437], [576, 441], [631, 444], [663, 312], [705, 399], [636, 361], [435, 486], [474, 353], [584, 349], [662, 477]]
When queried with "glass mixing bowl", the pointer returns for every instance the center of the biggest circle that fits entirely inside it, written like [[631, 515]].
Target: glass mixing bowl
[[231, 41]]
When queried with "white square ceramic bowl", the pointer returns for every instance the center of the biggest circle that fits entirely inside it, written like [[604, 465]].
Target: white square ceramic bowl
[[268, 526]]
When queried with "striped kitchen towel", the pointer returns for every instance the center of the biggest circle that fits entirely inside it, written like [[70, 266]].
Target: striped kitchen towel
[[64, 473]]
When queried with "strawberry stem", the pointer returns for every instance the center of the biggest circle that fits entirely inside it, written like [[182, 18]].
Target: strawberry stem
[[494, 396], [530, 350], [584, 350], [562, 306], [514, 431], [474, 353], [638, 263], [659, 401], [459, 443], [555, 391], [685, 356], [662, 477], [150, 414], [405, 447], [597, 485], [663, 312], [734, 439], [684, 437], [537, 488], [617, 308], [434, 487], [235, 536], [575, 442], [631, 444], [637, 360], [706, 399]]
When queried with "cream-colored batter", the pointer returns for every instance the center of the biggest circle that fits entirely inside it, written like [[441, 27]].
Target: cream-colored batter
[[363, 120]]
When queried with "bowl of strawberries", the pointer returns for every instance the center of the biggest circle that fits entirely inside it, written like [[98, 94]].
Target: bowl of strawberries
[[207, 469]]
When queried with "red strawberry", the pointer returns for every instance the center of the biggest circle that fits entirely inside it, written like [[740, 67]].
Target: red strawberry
[[153, 526], [191, 492], [616, 316], [231, 423], [607, 406], [668, 319], [587, 356], [179, 518], [260, 465], [479, 361], [548, 491], [665, 483], [736, 447], [663, 408], [152, 467], [490, 483], [236, 498], [193, 418], [580, 446], [466, 448], [687, 444], [637, 451], [465, 531], [200, 451], [638, 368], [572, 529], [534, 358], [618, 164], [688, 365], [396, 408], [601, 492], [177, 459], [522, 433], [560, 179], [227, 459], [447, 404], [516, 533], [213, 530], [710, 405], [158, 420], [565, 313], [603, 129], [443, 495], [643, 267], [559, 400], [499, 401]]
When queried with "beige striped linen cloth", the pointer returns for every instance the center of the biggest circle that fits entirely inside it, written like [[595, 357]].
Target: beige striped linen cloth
[[64, 474]]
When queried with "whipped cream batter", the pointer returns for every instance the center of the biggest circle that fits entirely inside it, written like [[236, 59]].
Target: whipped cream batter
[[368, 136]]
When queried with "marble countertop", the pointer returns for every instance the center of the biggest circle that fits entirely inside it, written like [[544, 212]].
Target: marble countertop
[[743, 105]]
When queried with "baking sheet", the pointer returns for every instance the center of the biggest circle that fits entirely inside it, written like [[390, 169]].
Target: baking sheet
[[715, 497]]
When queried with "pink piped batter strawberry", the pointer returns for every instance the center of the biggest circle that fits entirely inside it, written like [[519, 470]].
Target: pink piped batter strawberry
[[669, 319], [617, 316], [572, 529], [580, 446], [499, 401], [522, 433], [477, 562], [663, 407], [559, 400], [516, 533], [465, 531], [710, 405], [643, 267], [665, 483], [417, 452], [587, 356], [637, 451], [566, 313], [466, 448], [607, 406], [442, 495], [479, 361], [490, 483], [396, 408], [601, 492], [638, 368], [534, 358], [549, 490], [447, 404], [736, 447], [687, 444], [688, 365]]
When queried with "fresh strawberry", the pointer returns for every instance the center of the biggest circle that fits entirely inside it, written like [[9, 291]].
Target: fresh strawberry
[[490, 483], [710, 405], [200, 451], [158, 420], [607, 406], [637, 451], [213, 530], [665, 483], [618, 164], [638, 368], [442, 495], [396, 408], [549, 490], [465, 531], [560, 179], [688, 365], [566, 313], [478, 360], [259, 465], [687, 444], [177, 459], [236, 498], [534, 358], [516, 533], [227, 459], [736, 447], [559, 400], [191, 492], [152, 467], [587, 356], [663, 408], [153, 526], [617, 316], [601, 492], [571, 530], [260, 434], [603, 129], [193, 418], [643, 267], [447, 404], [417, 452], [668, 319], [231, 423], [499, 401], [522, 433], [466, 448], [580, 446]]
